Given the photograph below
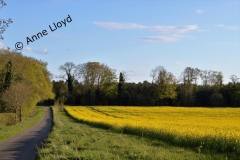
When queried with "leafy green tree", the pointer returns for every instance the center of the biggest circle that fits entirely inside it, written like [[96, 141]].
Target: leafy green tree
[[60, 89], [234, 91], [98, 80], [120, 88], [8, 77], [166, 84], [23, 72]]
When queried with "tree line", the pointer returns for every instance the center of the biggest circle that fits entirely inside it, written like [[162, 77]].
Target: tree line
[[94, 83], [24, 81]]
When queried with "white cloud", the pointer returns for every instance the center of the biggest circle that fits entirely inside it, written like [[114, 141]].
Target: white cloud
[[163, 29], [178, 63], [199, 11], [133, 73], [45, 51], [171, 38], [27, 49], [2, 46], [117, 25], [228, 27]]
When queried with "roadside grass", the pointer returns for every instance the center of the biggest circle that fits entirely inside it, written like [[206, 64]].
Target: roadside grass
[[71, 139], [12, 130]]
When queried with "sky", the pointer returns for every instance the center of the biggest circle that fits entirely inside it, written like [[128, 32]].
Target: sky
[[134, 36]]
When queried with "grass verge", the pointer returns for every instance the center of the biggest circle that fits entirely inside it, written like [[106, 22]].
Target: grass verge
[[10, 131], [71, 139]]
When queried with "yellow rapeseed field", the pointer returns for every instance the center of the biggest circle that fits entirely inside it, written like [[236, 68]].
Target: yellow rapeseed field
[[212, 128]]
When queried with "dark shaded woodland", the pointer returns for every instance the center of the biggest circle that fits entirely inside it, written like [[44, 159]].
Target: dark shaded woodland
[[93, 83]]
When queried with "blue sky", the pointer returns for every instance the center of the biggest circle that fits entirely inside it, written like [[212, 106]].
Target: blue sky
[[130, 35]]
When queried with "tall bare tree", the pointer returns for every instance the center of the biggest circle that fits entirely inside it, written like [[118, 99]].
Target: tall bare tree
[[3, 23], [213, 79], [155, 72], [16, 96], [234, 79], [189, 79], [205, 77], [69, 70]]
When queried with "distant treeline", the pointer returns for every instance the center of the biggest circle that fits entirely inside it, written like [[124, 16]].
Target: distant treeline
[[93, 83]]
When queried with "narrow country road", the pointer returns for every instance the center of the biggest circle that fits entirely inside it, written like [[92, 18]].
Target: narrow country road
[[24, 145]]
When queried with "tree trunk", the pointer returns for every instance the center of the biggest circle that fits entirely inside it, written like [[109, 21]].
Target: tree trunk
[[20, 114]]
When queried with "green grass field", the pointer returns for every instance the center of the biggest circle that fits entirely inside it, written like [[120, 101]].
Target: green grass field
[[12, 130], [71, 139]]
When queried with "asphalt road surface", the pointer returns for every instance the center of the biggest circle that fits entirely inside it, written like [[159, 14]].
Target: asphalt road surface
[[24, 146]]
